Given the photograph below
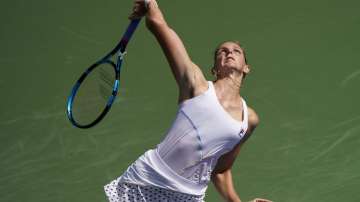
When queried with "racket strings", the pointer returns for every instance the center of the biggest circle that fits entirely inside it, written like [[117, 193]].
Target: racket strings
[[107, 84], [94, 93]]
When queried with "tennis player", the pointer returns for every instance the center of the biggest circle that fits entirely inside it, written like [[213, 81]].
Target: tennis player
[[212, 123]]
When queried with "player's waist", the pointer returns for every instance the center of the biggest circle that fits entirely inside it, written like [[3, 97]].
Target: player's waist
[[183, 184], [150, 169]]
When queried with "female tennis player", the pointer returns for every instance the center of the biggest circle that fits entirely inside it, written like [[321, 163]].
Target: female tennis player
[[212, 123]]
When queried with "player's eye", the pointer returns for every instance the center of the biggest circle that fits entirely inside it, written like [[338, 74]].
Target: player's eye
[[221, 51], [237, 51]]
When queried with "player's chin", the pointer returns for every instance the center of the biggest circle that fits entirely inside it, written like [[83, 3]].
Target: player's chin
[[231, 67], [230, 64]]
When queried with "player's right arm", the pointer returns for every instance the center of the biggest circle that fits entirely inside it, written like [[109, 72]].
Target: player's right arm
[[188, 75]]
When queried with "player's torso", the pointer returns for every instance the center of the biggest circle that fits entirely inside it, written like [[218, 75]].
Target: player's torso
[[202, 131]]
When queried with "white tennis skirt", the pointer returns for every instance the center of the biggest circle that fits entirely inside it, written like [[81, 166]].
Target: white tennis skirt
[[126, 192]]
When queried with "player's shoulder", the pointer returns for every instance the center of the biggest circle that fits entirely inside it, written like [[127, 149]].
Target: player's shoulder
[[253, 117]]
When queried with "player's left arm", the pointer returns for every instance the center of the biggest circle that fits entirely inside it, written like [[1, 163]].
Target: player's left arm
[[222, 175]]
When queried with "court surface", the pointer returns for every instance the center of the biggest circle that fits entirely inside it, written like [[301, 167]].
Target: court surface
[[304, 85]]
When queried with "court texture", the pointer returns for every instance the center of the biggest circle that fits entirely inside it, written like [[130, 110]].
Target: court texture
[[304, 84]]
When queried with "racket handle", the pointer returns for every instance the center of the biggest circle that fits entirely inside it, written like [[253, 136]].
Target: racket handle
[[127, 35]]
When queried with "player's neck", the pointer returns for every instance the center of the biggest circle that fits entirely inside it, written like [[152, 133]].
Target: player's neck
[[228, 88]]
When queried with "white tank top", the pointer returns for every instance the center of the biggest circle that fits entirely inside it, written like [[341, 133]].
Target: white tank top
[[201, 132]]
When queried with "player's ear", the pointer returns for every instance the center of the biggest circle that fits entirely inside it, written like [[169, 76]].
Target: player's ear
[[246, 69]]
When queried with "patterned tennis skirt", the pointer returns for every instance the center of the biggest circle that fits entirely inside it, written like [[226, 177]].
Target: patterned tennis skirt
[[126, 192]]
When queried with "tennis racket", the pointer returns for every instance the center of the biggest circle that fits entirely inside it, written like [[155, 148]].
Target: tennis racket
[[94, 92]]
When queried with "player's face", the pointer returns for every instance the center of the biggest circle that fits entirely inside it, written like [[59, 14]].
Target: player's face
[[230, 55]]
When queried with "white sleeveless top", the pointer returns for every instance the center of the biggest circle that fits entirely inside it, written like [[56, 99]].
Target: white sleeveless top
[[201, 133]]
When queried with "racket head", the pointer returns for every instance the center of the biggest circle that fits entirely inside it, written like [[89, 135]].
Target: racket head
[[93, 94]]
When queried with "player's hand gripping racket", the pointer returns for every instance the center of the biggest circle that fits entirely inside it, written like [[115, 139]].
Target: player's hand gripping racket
[[94, 92]]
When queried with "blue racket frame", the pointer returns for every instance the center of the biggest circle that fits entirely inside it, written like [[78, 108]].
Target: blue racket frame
[[120, 51]]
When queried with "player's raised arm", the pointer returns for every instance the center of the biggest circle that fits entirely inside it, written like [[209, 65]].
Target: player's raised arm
[[188, 76]]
